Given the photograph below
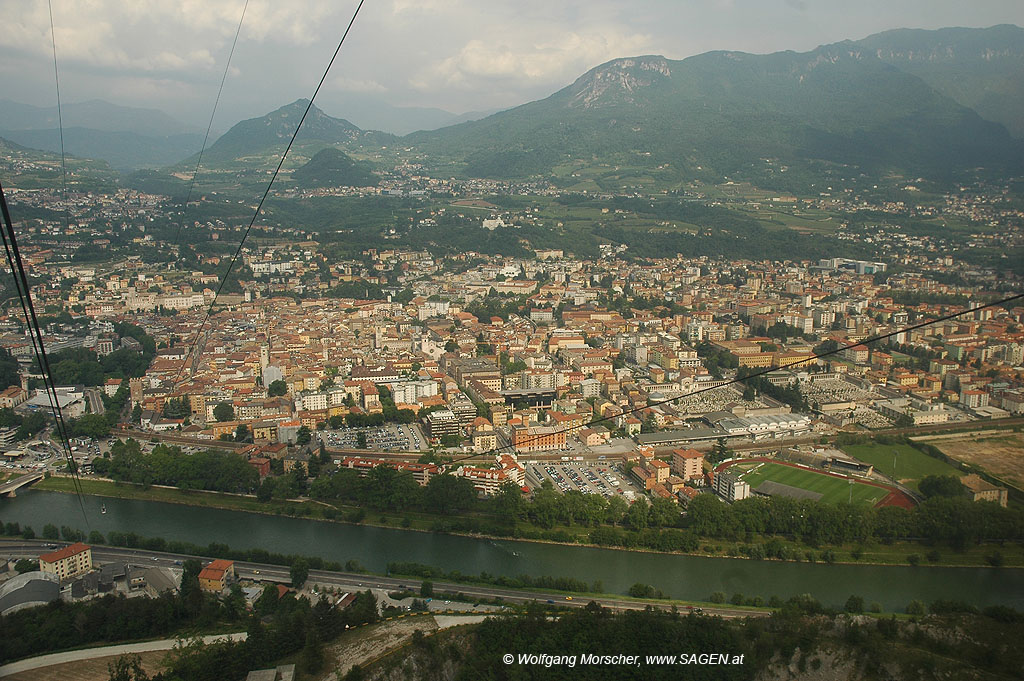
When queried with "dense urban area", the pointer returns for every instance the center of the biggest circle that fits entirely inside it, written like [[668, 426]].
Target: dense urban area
[[609, 364]]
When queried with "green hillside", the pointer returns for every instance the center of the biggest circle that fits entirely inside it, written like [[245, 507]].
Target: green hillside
[[982, 69], [727, 112], [259, 141], [332, 167]]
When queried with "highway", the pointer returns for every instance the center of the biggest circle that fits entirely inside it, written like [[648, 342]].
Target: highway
[[95, 400], [20, 548]]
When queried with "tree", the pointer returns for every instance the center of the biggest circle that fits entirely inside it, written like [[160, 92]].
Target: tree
[[720, 452], [127, 668], [447, 494], [190, 592], [224, 411], [427, 589], [663, 513], [303, 436], [312, 656], [95, 426], [137, 413], [299, 572], [266, 491], [50, 531], [25, 565], [9, 370], [176, 408], [637, 516], [641, 590], [508, 502], [451, 440], [267, 603], [241, 433], [854, 604], [941, 486], [277, 388], [616, 511]]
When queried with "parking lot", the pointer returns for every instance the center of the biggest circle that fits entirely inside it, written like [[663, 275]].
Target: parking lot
[[391, 437], [606, 479]]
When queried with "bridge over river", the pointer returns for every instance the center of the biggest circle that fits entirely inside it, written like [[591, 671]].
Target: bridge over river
[[11, 486]]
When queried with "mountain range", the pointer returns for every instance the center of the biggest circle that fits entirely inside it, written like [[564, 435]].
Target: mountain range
[[125, 137], [728, 112], [913, 102]]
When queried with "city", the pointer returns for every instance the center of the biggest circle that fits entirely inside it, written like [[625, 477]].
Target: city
[[424, 397]]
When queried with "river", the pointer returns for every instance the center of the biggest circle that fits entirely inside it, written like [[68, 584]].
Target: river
[[684, 577]]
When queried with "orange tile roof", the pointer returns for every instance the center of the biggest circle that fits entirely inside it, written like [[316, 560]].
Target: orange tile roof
[[65, 552], [216, 569]]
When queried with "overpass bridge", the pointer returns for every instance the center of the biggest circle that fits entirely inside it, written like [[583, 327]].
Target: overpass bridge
[[11, 486]]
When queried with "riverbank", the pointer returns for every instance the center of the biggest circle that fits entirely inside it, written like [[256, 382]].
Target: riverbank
[[896, 554]]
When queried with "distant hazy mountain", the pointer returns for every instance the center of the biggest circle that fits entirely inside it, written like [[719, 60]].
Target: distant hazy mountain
[[95, 114], [332, 167], [125, 137], [730, 110], [122, 150], [370, 114], [268, 135], [980, 68]]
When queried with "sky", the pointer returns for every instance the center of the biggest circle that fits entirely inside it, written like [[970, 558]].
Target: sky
[[456, 55]]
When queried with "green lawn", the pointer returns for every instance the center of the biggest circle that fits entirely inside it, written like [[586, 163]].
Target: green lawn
[[834, 490], [910, 464]]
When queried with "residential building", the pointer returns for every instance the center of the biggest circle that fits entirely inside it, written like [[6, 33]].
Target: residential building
[[217, 575], [730, 487], [688, 463], [68, 562], [982, 490], [537, 438]]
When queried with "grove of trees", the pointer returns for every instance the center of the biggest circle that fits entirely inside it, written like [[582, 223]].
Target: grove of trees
[[209, 469]]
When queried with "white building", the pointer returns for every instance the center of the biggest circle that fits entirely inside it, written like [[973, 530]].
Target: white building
[[730, 487]]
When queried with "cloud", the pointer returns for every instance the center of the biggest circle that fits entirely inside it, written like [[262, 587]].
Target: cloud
[[548, 61], [346, 84], [157, 35]]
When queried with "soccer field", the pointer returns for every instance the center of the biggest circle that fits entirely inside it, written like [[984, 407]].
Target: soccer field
[[910, 464], [834, 490]]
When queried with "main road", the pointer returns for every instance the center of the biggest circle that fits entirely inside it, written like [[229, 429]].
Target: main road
[[263, 572]]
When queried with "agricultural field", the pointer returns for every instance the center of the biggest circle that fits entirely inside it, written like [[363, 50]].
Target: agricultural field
[[910, 464], [1000, 454], [832, 489]]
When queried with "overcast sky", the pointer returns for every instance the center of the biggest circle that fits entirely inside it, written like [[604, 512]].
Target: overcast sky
[[457, 55]]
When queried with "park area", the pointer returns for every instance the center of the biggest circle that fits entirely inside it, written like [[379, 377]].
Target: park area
[[832, 489], [900, 462]]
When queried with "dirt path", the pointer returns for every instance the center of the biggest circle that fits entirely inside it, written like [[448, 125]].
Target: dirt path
[[371, 641], [46, 666], [87, 670]]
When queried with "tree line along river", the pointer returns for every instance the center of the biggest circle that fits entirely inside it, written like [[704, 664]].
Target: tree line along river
[[679, 576]]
